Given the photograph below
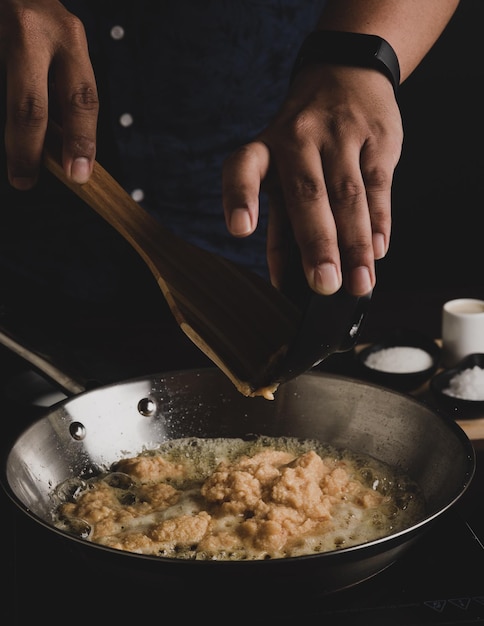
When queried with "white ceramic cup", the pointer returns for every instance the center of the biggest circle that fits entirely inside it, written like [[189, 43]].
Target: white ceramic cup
[[462, 329]]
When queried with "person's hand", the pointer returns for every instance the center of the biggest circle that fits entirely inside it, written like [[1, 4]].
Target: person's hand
[[327, 161], [48, 73]]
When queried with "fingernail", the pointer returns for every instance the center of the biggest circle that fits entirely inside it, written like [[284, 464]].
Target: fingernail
[[80, 170], [326, 279], [362, 280], [240, 222], [379, 247]]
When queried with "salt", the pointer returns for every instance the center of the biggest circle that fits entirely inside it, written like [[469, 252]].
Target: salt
[[399, 359], [467, 385]]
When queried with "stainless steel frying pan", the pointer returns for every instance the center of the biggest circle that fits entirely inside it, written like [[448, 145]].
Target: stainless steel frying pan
[[93, 428]]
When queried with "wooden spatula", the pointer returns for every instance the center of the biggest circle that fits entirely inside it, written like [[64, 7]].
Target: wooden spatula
[[240, 321]]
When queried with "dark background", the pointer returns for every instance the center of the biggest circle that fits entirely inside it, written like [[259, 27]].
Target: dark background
[[436, 250]]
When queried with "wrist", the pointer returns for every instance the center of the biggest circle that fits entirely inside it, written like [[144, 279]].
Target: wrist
[[350, 49]]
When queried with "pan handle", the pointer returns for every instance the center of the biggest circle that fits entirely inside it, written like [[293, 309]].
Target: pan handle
[[65, 382]]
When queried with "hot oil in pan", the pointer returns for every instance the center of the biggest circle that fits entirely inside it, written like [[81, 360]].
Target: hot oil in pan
[[230, 499]]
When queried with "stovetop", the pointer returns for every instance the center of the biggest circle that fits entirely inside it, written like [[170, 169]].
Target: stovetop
[[438, 581]]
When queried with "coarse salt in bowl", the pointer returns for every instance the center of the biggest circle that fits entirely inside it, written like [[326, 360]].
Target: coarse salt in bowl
[[468, 384], [404, 360], [460, 390], [399, 359]]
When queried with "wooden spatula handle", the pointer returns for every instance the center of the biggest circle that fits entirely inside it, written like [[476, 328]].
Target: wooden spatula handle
[[240, 321]]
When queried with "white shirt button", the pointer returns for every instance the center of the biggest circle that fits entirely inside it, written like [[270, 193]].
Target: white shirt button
[[126, 119], [117, 32], [138, 195]]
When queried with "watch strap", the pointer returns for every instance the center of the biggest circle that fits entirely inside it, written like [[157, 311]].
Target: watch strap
[[351, 49]]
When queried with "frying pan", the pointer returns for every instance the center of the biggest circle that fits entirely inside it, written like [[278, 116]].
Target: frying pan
[[93, 428]]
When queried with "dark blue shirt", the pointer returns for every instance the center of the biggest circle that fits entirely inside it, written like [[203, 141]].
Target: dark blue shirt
[[182, 84]]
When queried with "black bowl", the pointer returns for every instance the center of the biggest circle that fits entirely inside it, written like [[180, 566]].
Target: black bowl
[[401, 381], [458, 408]]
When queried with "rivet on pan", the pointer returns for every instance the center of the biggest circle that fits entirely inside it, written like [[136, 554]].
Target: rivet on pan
[[77, 430], [147, 407]]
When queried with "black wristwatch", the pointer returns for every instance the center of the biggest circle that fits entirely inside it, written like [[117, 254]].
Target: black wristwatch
[[352, 49]]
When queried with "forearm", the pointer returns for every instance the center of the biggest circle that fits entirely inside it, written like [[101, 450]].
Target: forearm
[[411, 27]]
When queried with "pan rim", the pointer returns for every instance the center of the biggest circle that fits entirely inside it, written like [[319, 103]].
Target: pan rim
[[327, 556]]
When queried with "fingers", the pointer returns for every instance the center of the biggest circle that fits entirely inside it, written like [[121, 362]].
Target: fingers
[[242, 175], [378, 184], [310, 214], [27, 114], [76, 94], [338, 201], [335, 146], [359, 206], [49, 48], [328, 211]]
